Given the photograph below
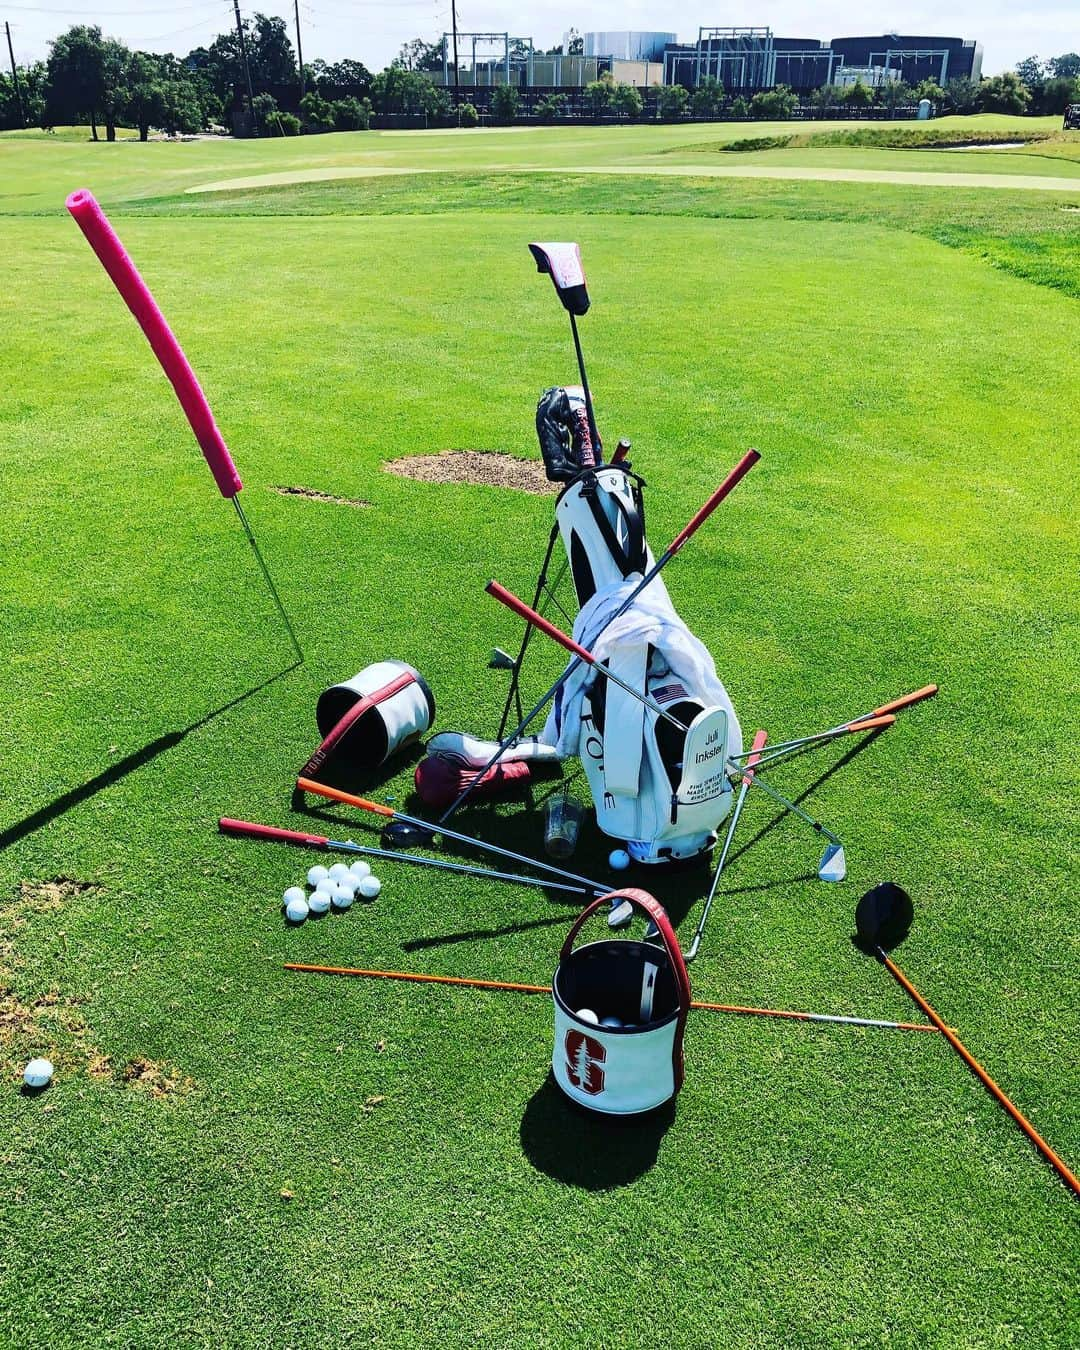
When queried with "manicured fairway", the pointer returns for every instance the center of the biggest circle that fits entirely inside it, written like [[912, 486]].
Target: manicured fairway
[[335, 1162]]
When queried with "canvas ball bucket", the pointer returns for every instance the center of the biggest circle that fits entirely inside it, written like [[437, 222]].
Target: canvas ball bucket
[[366, 719], [621, 1071]]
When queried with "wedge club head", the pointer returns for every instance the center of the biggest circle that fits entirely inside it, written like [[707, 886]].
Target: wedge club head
[[833, 865], [883, 917], [501, 660]]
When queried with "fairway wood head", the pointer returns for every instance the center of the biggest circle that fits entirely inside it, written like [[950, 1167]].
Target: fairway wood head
[[501, 660], [883, 917], [833, 865], [400, 834]]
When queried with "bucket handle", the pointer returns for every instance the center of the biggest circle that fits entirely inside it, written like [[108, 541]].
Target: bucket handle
[[646, 904]]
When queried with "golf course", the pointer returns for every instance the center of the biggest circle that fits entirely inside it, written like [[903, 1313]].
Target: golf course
[[233, 1154]]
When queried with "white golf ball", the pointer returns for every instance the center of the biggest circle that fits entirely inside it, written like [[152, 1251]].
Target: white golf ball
[[293, 893], [37, 1073], [618, 860], [319, 903], [339, 872], [327, 885], [587, 1015], [609, 1021], [296, 910], [342, 897], [317, 873], [369, 887], [360, 869]]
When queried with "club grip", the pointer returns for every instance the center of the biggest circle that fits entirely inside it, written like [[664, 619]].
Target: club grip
[[760, 737], [105, 242], [250, 830], [735, 477], [336, 795], [871, 723], [906, 700], [511, 601]]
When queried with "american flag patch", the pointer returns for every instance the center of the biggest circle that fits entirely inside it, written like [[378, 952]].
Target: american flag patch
[[667, 693]]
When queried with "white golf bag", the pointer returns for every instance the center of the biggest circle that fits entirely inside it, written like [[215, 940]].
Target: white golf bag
[[661, 789]]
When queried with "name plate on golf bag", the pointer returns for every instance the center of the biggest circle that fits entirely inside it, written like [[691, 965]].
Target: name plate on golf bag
[[637, 1065], [366, 719]]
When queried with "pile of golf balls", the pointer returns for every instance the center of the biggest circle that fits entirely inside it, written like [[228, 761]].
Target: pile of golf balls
[[335, 886]]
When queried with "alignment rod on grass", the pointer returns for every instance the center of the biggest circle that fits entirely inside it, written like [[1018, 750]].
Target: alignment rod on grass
[[737, 474], [334, 794], [249, 830], [505, 986]]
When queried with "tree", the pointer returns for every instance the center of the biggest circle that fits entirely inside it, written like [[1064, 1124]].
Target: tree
[[963, 95], [420, 55], [894, 94], [671, 101], [626, 101], [316, 114], [397, 90], [550, 107], [183, 111], [574, 44], [504, 104], [1004, 93], [598, 95], [824, 98], [1056, 95], [1065, 67], [858, 95], [929, 89], [145, 106], [264, 109], [467, 115], [778, 103], [1031, 71], [343, 79], [352, 114], [708, 98], [76, 74], [739, 107]]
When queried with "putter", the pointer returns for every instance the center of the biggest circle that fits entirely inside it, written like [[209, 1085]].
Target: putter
[[883, 918], [833, 864], [249, 830], [425, 832], [737, 474]]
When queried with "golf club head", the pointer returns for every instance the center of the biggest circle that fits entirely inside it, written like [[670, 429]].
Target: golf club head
[[833, 865], [400, 834], [620, 914], [883, 917], [501, 660], [562, 263]]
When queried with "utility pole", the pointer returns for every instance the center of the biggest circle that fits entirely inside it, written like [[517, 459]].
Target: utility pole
[[247, 68], [299, 49], [15, 76]]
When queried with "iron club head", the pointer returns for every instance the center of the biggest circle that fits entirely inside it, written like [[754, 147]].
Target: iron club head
[[883, 917], [501, 660], [833, 865]]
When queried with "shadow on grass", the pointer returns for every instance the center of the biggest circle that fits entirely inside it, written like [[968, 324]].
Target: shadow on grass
[[44, 815], [584, 1149]]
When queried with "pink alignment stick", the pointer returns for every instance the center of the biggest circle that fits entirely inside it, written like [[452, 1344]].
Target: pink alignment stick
[[104, 241]]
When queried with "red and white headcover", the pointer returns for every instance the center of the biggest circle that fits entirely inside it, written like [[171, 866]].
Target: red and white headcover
[[562, 262]]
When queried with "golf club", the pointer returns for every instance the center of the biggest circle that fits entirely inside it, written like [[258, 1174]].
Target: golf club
[[562, 262], [866, 722], [424, 832], [730, 482], [833, 864], [249, 830], [748, 774], [411, 977], [882, 919]]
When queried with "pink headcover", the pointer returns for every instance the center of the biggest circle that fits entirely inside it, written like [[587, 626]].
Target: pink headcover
[[110, 251]]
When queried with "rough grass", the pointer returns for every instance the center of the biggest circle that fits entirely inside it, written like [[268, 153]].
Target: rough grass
[[342, 1161], [896, 137]]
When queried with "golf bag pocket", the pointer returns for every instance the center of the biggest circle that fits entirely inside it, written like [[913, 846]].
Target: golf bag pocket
[[630, 1059], [366, 719]]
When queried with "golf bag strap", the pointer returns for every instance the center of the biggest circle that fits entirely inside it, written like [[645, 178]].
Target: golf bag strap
[[340, 728], [653, 909], [631, 557]]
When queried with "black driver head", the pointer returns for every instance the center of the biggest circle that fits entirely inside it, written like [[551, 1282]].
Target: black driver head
[[883, 917], [400, 834]]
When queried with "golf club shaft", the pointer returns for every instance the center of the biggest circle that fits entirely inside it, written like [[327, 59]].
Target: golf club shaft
[[857, 723], [795, 810], [730, 482], [250, 830], [1068, 1176], [784, 748], [596, 446], [508, 987], [759, 741], [269, 579], [334, 794]]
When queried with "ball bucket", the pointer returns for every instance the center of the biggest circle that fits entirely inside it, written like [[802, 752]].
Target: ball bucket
[[366, 719], [638, 1065]]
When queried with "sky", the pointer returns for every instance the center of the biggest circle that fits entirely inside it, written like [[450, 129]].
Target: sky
[[372, 31]]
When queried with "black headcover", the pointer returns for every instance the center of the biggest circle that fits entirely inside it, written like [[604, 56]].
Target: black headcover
[[883, 917], [562, 426]]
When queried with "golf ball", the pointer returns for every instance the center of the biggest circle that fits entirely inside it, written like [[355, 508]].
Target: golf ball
[[316, 874], [319, 903], [339, 872], [342, 897], [293, 893], [360, 869], [296, 910], [37, 1073], [328, 886], [609, 1021], [369, 887], [587, 1015], [618, 860]]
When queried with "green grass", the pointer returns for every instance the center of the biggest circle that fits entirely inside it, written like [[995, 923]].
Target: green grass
[[912, 519]]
